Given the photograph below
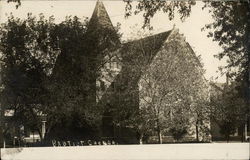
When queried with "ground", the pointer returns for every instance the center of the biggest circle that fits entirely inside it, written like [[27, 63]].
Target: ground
[[208, 151]]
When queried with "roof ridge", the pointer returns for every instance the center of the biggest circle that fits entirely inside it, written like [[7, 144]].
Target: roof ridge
[[151, 36]]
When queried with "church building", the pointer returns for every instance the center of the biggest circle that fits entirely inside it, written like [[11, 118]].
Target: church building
[[154, 74]]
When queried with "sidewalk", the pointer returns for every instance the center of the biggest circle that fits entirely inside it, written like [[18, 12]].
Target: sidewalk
[[210, 151]]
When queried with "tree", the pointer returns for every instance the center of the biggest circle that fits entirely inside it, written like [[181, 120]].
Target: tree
[[230, 26], [200, 108], [151, 7], [17, 2], [63, 84], [85, 50], [164, 76], [52, 69], [26, 60], [228, 110], [28, 53], [169, 85], [231, 29]]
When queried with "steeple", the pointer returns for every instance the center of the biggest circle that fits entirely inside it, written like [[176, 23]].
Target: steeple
[[100, 17]]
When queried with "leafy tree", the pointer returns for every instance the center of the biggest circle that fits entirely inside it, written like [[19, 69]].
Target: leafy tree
[[228, 110], [26, 61], [164, 82], [37, 81], [85, 50], [230, 28], [63, 83], [151, 7], [200, 108], [178, 132], [17, 2]]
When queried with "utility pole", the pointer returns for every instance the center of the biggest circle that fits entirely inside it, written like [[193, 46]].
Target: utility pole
[[44, 120], [2, 143], [1, 129], [246, 125]]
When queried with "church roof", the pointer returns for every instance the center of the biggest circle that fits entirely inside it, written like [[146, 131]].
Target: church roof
[[140, 53], [100, 17], [147, 46], [100, 27]]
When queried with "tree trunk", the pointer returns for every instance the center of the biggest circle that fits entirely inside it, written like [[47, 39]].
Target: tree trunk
[[227, 137], [159, 136], [242, 132], [140, 138], [159, 131], [40, 133], [245, 131], [197, 131]]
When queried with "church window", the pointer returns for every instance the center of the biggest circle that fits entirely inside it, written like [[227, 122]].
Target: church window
[[102, 85], [112, 86]]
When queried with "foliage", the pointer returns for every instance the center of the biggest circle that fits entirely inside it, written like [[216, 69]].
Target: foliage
[[231, 29], [51, 69], [151, 7], [164, 82], [228, 109], [169, 82], [84, 53], [26, 60], [178, 133], [17, 2], [63, 84]]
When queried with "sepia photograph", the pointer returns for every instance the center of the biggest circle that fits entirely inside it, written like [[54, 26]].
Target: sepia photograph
[[124, 80]]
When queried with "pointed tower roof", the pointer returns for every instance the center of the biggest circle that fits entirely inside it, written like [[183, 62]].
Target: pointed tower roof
[[100, 17]]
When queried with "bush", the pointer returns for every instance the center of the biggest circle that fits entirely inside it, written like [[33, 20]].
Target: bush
[[178, 133]]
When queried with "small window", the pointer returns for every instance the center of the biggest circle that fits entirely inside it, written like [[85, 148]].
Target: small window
[[110, 65], [102, 86], [116, 64], [112, 86]]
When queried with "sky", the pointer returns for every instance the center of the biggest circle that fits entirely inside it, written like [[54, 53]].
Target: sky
[[191, 27]]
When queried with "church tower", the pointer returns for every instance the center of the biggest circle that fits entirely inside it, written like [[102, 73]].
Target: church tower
[[100, 17], [101, 25], [73, 81], [101, 40]]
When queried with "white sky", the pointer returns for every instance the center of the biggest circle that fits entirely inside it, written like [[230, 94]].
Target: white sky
[[191, 27]]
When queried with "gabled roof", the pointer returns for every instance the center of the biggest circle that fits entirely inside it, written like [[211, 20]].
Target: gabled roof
[[147, 46], [217, 86], [140, 53]]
